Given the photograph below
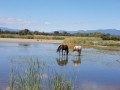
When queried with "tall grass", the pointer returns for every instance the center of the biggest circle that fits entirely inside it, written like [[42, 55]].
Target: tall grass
[[110, 43], [25, 77], [60, 83], [88, 41], [29, 74]]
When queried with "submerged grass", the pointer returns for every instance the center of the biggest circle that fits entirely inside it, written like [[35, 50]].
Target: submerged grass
[[29, 74]]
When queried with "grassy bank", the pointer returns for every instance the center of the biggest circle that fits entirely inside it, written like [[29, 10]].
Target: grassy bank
[[71, 40], [90, 41], [48, 37]]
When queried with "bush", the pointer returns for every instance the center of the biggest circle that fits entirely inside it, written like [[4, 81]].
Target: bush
[[110, 37]]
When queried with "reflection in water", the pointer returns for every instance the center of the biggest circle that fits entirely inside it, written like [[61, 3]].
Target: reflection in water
[[62, 60], [118, 61], [77, 60], [24, 44], [31, 74], [97, 86]]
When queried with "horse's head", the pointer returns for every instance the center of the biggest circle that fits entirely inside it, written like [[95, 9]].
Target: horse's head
[[58, 50]]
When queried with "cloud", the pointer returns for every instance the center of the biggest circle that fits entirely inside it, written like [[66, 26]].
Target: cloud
[[10, 21], [47, 23]]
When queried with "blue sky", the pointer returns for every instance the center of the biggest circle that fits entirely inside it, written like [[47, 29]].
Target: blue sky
[[52, 15]]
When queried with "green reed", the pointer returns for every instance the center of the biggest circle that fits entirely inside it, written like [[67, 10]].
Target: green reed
[[28, 74], [60, 83]]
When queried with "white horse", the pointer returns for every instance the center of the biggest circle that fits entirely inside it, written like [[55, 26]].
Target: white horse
[[78, 49]]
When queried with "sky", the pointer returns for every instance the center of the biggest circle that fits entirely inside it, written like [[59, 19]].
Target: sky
[[54, 15]]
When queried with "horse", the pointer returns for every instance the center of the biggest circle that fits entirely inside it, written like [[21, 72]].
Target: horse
[[78, 49], [63, 48]]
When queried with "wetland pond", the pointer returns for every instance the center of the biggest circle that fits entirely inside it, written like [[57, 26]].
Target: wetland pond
[[37, 65]]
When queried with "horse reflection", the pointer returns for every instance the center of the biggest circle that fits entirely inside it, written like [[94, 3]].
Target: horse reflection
[[78, 49], [63, 48], [62, 60], [77, 61]]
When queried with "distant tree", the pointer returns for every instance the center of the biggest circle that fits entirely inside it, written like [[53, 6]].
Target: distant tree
[[36, 32], [25, 32], [56, 32], [65, 33], [110, 37]]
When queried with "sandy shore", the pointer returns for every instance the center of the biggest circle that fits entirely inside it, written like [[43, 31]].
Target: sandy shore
[[29, 40]]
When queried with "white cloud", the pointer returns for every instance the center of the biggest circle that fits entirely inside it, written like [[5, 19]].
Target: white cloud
[[10, 21], [47, 23]]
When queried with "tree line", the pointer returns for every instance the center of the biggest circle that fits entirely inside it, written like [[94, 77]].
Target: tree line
[[64, 33], [28, 32]]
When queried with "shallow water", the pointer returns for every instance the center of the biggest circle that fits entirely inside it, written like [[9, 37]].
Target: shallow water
[[95, 69]]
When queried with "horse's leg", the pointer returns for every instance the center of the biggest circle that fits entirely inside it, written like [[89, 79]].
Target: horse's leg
[[78, 52], [63, 52], [66, 52]]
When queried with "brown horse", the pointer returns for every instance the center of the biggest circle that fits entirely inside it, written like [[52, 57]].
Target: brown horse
[[63, 48]]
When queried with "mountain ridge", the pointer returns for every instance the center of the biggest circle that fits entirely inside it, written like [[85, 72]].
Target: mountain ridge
[[8, 29], [106, 31]]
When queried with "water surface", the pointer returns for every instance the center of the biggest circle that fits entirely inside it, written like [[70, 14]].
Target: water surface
[[95, 69]]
